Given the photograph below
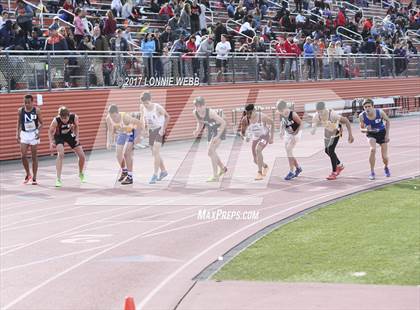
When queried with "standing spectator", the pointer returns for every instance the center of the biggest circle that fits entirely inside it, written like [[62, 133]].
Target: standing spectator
[[116, 7], [231, 9], [190, 61], [174, 24], [222, 50], [154, 7], [35, 43], [24, 15], [204, 51], [240, 11], [339, 53], [55, 23], [166, 12], [300, 21], [203, 22], [185, 19], [332, 62], [157, 63], [319, 47], [148, 48], [298, 5], [287, 24], [167, 36], [4, 16], [195, 17], [110, 25], [249, 5], [55, 41], [341, 18], [309, 55], [178, 48], [79, 27], [166, 62], [101, 44], [219, 30], [400, 59], [86, 44], [6, 34], [118, 44]]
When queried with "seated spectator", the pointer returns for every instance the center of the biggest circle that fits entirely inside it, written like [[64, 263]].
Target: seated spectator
[[167, 35], [219, 30], [35, 43], [53, 6], [3, 17], [55, 23], [119, 43], [268, 33], [300, 20], [246, 28], [166, 12], [55, 41], [68, 6], [257, 45], [203, 18], [116, 7], [195, 17], [287, 24], [24, 15], [240, 11], [341, 18], [130, 12], [154, 6], [110, 25], [86, 44], [231, 9], [6, 34], [249, 5]]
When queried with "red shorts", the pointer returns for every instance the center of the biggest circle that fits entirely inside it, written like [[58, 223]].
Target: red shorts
[[261, 142]]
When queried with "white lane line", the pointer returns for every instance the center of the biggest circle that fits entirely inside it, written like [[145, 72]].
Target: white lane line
[[49, 259], [144, 301], [10, 246]]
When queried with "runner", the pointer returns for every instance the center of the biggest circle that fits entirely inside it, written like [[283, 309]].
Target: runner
[[127, 130], [28, 126], [255, 125], [156, 119], [372, 123], [290, 129], [216, 132], [65, 128], [331, 121]]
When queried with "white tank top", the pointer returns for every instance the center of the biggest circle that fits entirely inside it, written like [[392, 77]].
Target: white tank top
[[257, 129], [153, 119]]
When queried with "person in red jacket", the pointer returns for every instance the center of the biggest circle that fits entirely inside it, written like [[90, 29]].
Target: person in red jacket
[[281, 52], [189, 57], [166, 12], [341, 18]]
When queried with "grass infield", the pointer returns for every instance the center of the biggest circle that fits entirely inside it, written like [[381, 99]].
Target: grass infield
[[371, 238]]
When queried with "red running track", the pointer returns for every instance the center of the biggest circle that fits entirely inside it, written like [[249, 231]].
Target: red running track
[[87, 247]]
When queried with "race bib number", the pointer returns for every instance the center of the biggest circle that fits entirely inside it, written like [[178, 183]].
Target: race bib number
[[29, 126]]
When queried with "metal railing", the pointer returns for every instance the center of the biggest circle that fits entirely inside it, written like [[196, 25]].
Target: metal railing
[[88, 69], [414, 36], [340, 29], [229, 28]]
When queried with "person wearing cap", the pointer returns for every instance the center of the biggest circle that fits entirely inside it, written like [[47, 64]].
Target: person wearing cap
[[55, 25], [372, 124], [332, 123], [215, 125]]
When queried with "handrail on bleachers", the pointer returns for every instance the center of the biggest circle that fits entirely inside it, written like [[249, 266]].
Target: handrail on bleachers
[[337, 31], [236, 31]]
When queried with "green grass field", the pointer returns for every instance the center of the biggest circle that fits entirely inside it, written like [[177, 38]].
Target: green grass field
[[377, 233]]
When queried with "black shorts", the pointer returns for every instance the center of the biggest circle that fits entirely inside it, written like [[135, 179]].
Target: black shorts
[[154, 136], [221, 63], [378, 136], [68, 138], [213, 133]]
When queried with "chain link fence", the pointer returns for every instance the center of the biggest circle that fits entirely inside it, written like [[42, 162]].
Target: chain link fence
[[47, 71]]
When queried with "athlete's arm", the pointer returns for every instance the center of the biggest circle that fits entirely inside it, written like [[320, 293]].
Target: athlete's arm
[[270, 123], [76, 128], [244, 126], [163, 112], [297, 120], [138, 123], [344, 120], [109, 132], [385, 117], [18, 125], [363, 127], [51, 132], [40, 122], [200, 125], [315, 122], [220, 121]]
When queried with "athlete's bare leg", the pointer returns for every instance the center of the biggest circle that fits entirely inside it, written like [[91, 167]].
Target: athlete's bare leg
[[384, 151], [128, 156], [59, 161], [158, 161], [214, 157], [289, 151], [120, 156], [34, 149], [372, 156], [25, 162], [81, 156], [260, 159]]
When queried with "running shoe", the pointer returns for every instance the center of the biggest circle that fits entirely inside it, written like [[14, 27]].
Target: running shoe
[[372, 176], [289, 176], [153, 179], [58, 183], [298, 171], [27, 179], [82, 177], [387, 172], [162, 175], [213, 179], [259, 177], [128, 180], [265, 171], [34, 182], [122, 177], [222, 172], [332, 176], [340, 168]]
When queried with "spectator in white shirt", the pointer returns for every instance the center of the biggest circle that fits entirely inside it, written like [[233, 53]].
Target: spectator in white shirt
[[222, 50], [247, 29]]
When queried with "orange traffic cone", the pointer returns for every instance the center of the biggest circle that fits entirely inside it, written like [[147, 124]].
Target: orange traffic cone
[[129, 304]]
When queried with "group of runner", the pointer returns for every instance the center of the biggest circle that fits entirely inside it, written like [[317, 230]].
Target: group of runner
[[126, 130]]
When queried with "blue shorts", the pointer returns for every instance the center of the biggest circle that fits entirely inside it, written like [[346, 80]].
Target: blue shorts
[[123, 138]]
